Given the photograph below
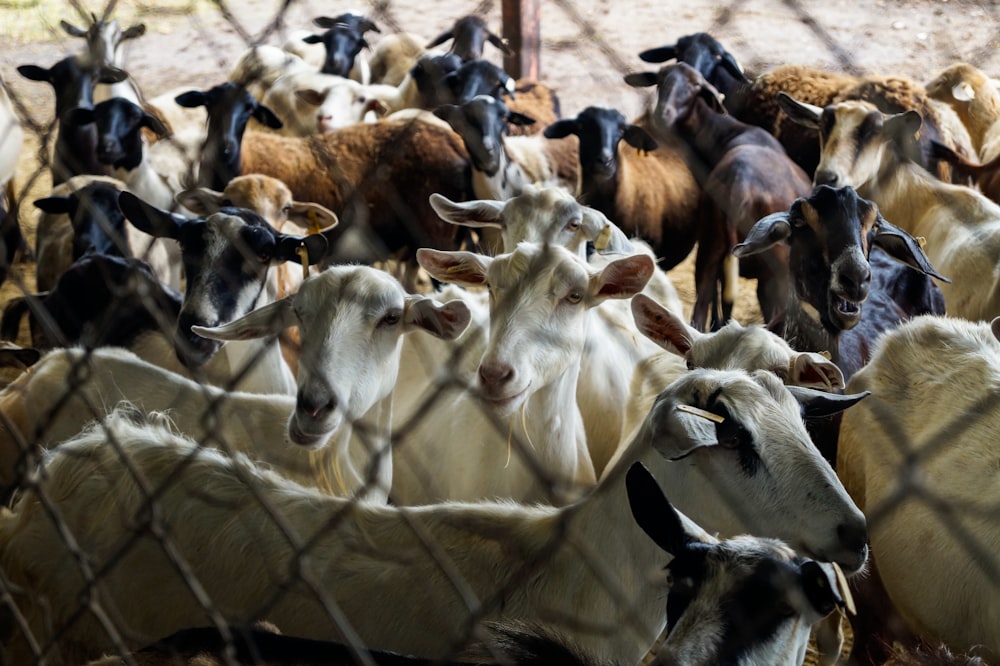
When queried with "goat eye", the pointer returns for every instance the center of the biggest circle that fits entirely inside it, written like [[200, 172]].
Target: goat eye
[[390, 319], [690, 365], [574, 297], [573, 225]]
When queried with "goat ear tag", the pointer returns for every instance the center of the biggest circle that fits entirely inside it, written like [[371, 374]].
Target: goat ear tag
[[603, 239], [845, 591], [688, 409]]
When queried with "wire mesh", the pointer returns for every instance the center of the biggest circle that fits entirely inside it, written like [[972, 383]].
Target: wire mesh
[[587, 48]]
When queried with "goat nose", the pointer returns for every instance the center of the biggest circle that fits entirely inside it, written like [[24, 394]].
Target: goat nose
[[856, 282], [228, 147], [495, 374], [853, 535], [825, 177], [315, 406]]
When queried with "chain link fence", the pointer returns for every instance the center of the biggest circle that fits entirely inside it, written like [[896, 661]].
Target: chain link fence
[[587, 47]]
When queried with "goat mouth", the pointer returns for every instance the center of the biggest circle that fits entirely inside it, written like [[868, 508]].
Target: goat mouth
[[852, 563], [304, 439], [505, 405], [845, 311]]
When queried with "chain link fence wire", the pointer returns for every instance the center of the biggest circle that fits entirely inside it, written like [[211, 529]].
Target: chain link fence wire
[[587, 48]]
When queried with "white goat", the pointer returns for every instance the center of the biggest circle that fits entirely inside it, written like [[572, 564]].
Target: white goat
[[613, 345], [314, 103], [540, 297], [260, 66], [351, 319], [920, 454], [106, 47], [732, 347], [585, 571], [745, 601], [11, 137], [961, 226]]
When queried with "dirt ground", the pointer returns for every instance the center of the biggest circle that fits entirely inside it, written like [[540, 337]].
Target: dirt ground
[[587, 46]]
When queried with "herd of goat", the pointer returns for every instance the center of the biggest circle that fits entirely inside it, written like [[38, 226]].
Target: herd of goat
[[240, 438]]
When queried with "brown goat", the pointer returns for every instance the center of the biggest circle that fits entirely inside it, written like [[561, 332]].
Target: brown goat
[[376, 177], [745, 175]]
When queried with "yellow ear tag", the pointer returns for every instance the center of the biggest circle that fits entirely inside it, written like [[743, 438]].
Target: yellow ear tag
[[603, 239], [844, 590], [825, 354], [314, 227], [694, 411], [921, 241], [304, 259]]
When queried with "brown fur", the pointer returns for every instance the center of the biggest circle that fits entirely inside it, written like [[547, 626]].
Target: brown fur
[[978, 114], [759, 106], [376, 175], [658, 200], [536, 100]]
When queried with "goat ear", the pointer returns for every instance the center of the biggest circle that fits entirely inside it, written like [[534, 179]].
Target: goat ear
[[903, 125], [54, 205], [561, 128], [19, 358], [662, 326], [800, 112], [451, 114], [72, 29], [149, 218], [766, 233], [622, 278], [905, 248], [466, 269], [312, 216], [500, 43], [639, 138], [110, 74], [653, 512], [266, 117], [312, 39], [730, 64], [814, 404], [192, 99], [366, 24], [265, 321], [604, 234], [963, 92], [659, 54], [78, 117], [200, 200], [441, 39], [712, 97], [515, 118], [155, 124], [325, 22], [317, 246], [34, 73], [443, 320], [641, 79], [476, 214], [816, 585], [133, 31], [812, 370]]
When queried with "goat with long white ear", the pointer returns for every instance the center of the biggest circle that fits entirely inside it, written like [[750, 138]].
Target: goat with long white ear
[[585, 571], [541, 295], [351, 318], [733, 346], [745, 601]]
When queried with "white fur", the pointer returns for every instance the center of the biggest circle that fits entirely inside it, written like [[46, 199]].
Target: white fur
[[595, 577], [929, 430], [344, 103]]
